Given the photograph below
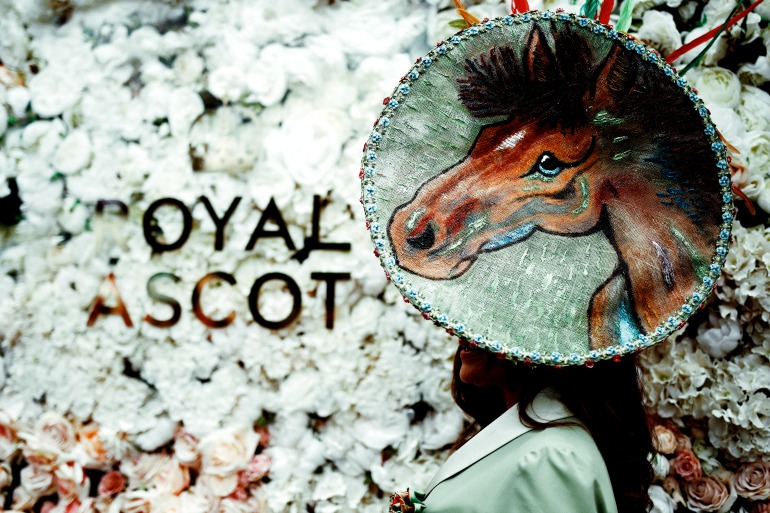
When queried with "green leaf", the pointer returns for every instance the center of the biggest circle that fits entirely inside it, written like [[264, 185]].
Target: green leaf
[[458, 24]]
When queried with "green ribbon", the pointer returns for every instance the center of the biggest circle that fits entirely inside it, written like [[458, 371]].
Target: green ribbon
[[624, 20], [417, 501]]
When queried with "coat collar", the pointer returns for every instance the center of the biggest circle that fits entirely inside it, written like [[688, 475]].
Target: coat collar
[[545, 407]]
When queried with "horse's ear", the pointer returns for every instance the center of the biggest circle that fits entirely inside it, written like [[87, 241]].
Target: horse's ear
[[615, 78], [541, 60]]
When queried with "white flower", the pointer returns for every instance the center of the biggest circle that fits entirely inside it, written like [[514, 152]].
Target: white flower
[[266, 81], [18, 99], [714, 55], [54, 90], [661, 501], [659, 30], [718, 87], [185, 105], [189, 67], [14, 46], [226, 83], [308, 144], [721, 337], [757, 73], [73, 153], [660, 466], [755, 109]]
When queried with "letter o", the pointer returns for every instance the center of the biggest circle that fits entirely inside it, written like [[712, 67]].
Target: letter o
[[254, 300]]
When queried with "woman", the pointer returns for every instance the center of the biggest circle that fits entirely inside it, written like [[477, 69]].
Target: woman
[[544, 440], [525, 191]]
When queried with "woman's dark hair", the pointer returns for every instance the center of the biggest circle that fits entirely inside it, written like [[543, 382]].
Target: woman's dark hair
[[607, 399]]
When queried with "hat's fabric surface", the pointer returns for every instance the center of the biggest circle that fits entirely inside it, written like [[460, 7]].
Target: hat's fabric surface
[[548, 188]]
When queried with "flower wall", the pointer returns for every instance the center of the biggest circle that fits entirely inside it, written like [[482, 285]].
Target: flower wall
[[244, 352]]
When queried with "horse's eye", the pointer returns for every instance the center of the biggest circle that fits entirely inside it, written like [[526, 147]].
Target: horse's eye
[[549, 165]]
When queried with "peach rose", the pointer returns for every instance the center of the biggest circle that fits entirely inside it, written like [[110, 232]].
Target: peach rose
[[136, 501], [9, 442], [54, 430], [683, 443], [219, 486], [227, 451], [707, 494], [111, 483], [142, 469], [171, 479], [92, 447], [71, 481], [687, 466], [22, 499], [752, 481], [671, 485], [665, 439], [36, 481], [186, 449]]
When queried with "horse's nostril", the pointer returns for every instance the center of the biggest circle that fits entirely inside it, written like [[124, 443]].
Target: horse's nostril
[[424, 240]]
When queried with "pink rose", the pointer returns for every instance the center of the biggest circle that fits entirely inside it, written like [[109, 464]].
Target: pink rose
[[752, 481], [671, 486], [665, 439], [111, 483], [687, 466], [47, 506], [258, 468], [706, 494], [759, 507]]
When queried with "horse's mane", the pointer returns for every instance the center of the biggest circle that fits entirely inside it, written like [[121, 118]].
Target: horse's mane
[[551, 76]]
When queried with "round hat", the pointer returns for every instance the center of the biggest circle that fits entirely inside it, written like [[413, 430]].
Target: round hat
[[549, 189]]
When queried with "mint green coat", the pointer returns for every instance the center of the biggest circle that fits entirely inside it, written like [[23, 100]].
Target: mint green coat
[[510, 468]]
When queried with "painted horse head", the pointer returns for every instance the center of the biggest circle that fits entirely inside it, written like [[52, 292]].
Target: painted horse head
[[592, 138]]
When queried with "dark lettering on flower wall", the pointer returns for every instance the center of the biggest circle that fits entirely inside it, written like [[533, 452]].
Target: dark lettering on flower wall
[[153, 235]]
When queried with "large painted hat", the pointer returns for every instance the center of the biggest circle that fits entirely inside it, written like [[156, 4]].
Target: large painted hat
[[549, 189]]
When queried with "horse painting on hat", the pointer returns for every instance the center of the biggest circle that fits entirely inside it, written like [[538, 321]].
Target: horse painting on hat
[[579, 136]]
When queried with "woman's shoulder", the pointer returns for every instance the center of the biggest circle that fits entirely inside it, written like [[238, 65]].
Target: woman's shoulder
[[567, 445]]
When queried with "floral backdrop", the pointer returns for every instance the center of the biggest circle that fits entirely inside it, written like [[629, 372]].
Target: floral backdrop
[[119, 117]]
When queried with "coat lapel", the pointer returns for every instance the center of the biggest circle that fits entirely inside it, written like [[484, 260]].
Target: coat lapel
[[545, 407]]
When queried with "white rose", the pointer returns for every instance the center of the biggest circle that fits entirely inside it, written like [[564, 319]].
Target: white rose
[[227, 451], [718, 87], [757, 73], [3, 114], [659, 30], [714, 55], [14, 46], [73, 153], [308, 144], [720, 336], [172, 478], [729, 124], [661, 501], [185, 105], [226, 83], [18, 99], [143, 469], [266, 82], [758, 144], [189, 67], [54, 90], [755, 108]]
